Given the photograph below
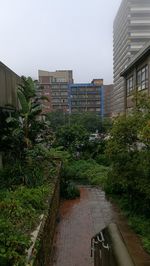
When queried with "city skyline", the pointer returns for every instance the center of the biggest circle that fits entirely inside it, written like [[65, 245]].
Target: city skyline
[[52, 35]]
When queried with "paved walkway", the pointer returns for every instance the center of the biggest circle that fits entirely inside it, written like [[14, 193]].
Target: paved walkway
[[82, 218]]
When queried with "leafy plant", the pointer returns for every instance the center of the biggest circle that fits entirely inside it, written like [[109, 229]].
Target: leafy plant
[[69, 190], [85, 171], [20, 210]]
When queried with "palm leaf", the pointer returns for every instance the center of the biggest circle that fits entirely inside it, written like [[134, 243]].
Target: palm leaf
[[23, 102]]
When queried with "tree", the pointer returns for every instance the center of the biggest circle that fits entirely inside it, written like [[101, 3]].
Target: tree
[[30, 109], [72, 137], [129, 152], [57, 119]]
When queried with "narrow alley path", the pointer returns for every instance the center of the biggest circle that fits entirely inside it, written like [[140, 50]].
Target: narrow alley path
[[82, 218]]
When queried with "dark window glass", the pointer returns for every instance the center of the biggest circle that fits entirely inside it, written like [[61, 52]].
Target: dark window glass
[[142, 78], [129, 85]]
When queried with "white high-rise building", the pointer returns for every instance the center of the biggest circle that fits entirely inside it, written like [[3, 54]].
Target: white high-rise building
[[131, 30]]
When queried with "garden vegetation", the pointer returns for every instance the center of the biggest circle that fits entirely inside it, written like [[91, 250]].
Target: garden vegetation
[[118, 161]]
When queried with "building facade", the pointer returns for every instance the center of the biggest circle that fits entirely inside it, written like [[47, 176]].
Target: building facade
[[131, 31], [55, 86], [137, 76], [108, 93], [86, 97], [69, 97], [8, 88]]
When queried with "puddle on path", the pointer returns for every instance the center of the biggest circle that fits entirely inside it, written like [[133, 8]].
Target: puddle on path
[[82, 218]]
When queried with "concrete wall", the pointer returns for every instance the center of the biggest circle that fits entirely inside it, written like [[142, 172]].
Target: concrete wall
[[8, 86]]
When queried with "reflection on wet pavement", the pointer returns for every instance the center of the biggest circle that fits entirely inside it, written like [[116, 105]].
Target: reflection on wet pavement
[[82, 218]]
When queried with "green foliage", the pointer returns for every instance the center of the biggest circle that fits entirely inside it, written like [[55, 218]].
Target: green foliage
[[23, 102], [88, 171], [20, 210], [91, 122], [69, 190], [95, 149], [30, 171], [128, 150], [30, 108], [57, 119], [22, 129], [11, 135], [139, 223], [72, 138]]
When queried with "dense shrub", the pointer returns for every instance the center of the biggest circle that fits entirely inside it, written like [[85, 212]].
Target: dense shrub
[[138, 222], [69, 190], [88, 171], [20, 210]]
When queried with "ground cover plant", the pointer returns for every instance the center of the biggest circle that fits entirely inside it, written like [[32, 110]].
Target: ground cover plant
[[20, 211]]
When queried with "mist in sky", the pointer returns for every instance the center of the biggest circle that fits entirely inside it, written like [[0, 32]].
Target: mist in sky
[[58, 34]]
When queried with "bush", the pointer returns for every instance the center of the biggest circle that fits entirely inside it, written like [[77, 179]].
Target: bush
[[139, 223], [102, 159], [69, 190], [20, 210], [86, 171]]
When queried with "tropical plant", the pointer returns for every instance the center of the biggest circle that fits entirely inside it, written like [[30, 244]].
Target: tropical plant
[[30, 109]]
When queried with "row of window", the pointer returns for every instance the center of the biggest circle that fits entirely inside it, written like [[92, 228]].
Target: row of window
[[59, 93], [85, 97], [142, 80], [60, 100], [84, 89], [85, 109]]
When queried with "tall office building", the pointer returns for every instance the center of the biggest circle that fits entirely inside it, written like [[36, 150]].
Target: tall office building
[[131, 30]]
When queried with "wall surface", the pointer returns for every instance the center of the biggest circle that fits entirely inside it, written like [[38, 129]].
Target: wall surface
[[8, 87], [45, 252], [41, 252]]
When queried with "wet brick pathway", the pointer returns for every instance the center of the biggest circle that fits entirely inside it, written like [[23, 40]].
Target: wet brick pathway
[[82, 218]]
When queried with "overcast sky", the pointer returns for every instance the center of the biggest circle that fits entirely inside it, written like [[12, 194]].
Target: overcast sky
[[58, 34]]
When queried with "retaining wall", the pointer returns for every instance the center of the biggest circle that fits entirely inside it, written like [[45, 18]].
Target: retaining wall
[[41, 252]]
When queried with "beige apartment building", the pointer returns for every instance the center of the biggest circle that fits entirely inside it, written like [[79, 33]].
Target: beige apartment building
[[55, 85]]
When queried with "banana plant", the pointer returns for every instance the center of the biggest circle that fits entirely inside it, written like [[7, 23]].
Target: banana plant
[[30, 106]]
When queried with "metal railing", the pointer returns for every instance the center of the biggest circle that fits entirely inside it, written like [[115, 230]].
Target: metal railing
[[108, 248]]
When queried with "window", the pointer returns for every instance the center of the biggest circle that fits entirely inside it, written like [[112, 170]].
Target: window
[[142, 78], [129, 85]]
